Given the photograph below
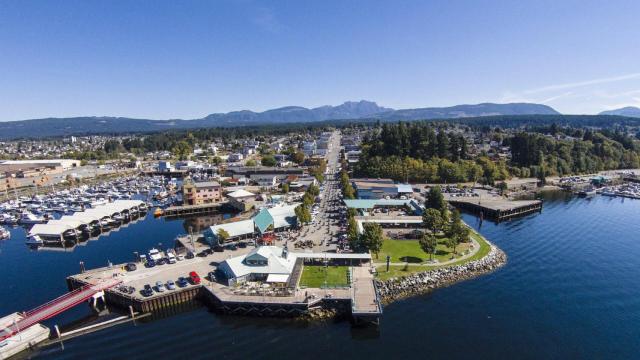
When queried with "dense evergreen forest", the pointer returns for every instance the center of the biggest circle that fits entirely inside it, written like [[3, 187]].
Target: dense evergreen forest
[[418, 152]]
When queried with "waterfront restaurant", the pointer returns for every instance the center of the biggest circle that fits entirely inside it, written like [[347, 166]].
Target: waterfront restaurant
[[270, 264]]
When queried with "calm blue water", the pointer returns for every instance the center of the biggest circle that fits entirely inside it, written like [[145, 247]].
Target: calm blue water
[[571, 289]]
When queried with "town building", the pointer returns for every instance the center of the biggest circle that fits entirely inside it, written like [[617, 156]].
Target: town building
[[241, 200], [375, 188], [199, 193], [28, 168]]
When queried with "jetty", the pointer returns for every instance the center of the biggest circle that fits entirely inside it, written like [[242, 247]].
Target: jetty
[[496, 208]]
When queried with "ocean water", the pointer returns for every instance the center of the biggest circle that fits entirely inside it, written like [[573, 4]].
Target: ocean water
[[571, 289]]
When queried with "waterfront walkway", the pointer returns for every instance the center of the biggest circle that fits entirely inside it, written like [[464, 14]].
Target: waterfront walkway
[[54, 307]]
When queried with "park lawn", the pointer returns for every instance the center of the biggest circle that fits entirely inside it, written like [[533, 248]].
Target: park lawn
[[408, 269], [315, 276], [410, 251]]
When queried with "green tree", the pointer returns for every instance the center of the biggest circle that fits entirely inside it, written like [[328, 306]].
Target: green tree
[[251, 162], [352, 234], [302, 214], [285, 188], [372, 237], [502, 186], [223, 235], [298, 157], [428, 244], [433, 220], [268, 160], [182, 150], [435, 199]]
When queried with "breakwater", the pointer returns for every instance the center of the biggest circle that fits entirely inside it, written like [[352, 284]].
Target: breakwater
[[422, 282]]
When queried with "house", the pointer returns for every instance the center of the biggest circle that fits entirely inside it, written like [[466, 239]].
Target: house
[[235, 157], [266, 180], [199, 193], [309, 148], [165, 166]]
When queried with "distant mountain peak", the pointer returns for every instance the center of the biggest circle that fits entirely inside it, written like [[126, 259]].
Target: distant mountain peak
[[349, 110], [630, 111]]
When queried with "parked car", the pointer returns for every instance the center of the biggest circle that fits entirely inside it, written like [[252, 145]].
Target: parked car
[[190, 255], [180, 257], [147, 291], [218, 248], [131, 267], [194, 277], [150, 262], [171, 285], [171, 259], [202, 253], [159, 286], [182, 282]]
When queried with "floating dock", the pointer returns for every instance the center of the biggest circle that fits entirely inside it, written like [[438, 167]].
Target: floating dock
[[23, 339], [497, 209]]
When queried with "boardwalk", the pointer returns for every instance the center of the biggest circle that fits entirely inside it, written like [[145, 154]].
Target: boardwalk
[[54, 307], [365, 298]]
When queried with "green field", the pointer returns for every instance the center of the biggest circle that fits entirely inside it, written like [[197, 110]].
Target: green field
[[403, 270], [409, 251], [321, 276]]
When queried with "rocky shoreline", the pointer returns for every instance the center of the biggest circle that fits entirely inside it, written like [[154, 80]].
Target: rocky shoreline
[[419, 283]]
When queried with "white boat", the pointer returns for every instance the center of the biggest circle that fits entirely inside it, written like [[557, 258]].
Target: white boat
[[29, 218], [4, 233], [34, 240]]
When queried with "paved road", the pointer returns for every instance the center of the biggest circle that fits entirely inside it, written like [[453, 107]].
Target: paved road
[[324, 229]]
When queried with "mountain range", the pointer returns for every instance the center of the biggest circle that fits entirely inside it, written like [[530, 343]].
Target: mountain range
[[351, 110], [630, 111]]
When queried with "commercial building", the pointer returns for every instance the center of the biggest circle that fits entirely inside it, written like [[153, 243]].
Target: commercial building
[[276, 265], [268, 220], [270, 264], [28, 168], [375, 188], [198, 193], [241, 200]]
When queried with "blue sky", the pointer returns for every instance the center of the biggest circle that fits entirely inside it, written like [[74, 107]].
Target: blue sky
[[186, 59]]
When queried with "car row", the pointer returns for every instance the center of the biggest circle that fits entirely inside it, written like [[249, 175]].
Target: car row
[[161, 287]]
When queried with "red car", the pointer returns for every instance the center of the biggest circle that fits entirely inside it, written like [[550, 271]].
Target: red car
[[195, 278]]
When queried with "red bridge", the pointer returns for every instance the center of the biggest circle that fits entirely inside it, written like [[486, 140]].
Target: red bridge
[[55, 307]]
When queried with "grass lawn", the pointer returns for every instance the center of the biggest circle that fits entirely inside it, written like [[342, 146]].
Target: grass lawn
[[315, 276], [410, 251], [403, 270]]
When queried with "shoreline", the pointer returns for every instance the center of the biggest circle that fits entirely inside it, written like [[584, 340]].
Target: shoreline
[[419, 283]]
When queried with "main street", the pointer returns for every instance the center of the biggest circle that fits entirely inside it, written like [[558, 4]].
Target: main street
[[324, 228]]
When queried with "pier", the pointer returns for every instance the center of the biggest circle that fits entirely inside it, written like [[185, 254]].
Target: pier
[[359, 299], [497, 209]]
